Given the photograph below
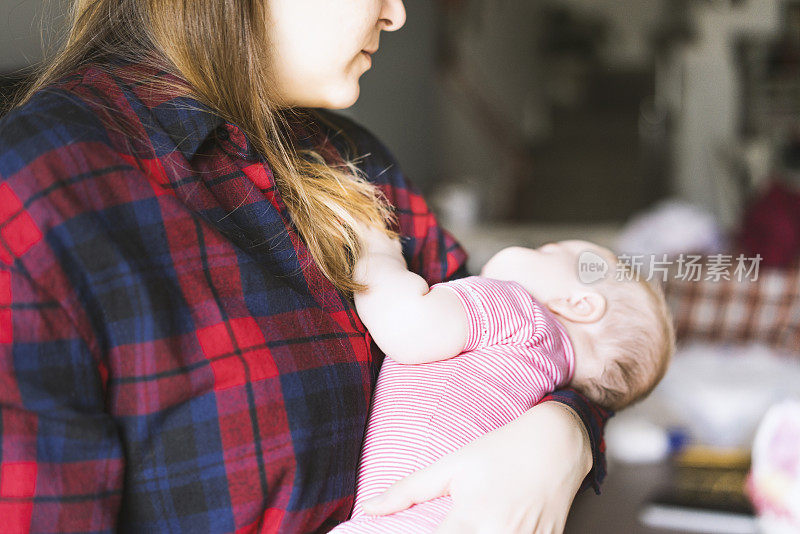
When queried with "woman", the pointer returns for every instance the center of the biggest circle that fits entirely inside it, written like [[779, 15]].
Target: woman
[[178, 349]]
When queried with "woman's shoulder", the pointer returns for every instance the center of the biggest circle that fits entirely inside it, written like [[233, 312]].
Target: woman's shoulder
[[56, 164], [105, 103], [51, 121]]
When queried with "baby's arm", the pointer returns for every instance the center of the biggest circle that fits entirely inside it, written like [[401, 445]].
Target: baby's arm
[[410, 322]]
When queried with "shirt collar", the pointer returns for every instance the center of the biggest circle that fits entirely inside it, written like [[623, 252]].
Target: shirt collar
[[187, 122]]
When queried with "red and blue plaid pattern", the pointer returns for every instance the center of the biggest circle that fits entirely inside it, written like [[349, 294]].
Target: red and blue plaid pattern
[[171, 359]]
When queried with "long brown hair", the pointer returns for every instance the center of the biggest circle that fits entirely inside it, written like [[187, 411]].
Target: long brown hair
[[221, 49]]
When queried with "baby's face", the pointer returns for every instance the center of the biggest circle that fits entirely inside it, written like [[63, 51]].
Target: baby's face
[[548, 272]]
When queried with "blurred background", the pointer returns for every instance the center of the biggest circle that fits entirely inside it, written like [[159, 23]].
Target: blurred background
[[655, 127]]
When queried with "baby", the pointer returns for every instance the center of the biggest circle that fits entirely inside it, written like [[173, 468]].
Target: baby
[[525, 327]]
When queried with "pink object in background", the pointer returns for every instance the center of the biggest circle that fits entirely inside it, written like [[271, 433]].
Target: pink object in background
[[774, 482]]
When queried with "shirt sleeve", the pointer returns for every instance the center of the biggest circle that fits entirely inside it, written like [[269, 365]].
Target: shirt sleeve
[[495, 313], [594, 419], [61, 458]]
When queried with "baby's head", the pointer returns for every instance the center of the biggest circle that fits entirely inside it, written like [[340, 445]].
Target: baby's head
[[620, 327]]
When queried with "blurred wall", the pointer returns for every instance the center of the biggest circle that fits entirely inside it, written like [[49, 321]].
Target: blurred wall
[[497, 44], [397, 100], [630, 22], [21, 38]]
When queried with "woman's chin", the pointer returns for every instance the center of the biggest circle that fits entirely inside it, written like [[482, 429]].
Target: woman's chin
[[343, 98]]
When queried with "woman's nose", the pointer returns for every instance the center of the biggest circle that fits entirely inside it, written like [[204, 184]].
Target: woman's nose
[[393, 15]]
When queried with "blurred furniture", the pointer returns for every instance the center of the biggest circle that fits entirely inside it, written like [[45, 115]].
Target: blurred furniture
[[699, 83], [616, 509], [771, 80], [765, 310], [708, 499]]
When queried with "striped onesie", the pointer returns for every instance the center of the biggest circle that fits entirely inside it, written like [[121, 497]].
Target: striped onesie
[[516, 352]]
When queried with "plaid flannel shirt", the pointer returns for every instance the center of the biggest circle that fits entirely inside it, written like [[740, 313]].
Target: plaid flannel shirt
[[171, 359]]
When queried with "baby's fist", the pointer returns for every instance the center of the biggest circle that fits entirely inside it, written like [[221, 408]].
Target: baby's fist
[[376, 241]]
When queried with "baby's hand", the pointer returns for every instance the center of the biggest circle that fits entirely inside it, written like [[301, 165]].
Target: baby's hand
[[380, 255], [374, 242]]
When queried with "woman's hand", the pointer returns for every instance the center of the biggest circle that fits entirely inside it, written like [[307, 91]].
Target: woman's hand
[[518, 479]]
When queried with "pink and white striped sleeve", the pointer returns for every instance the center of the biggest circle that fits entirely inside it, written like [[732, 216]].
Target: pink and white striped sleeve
[[503, 313], [498, 312]]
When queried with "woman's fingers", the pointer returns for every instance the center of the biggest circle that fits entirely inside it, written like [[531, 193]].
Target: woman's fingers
[[479, 520], [549, 525], [421, 486], [455, 524]]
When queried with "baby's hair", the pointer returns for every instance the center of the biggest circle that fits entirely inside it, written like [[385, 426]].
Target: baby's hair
[[637, 342]]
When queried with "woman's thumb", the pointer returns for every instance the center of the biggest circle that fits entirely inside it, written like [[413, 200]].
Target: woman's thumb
[[421, 486]]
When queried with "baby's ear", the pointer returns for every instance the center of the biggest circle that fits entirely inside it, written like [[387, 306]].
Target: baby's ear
[[581, 307]]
